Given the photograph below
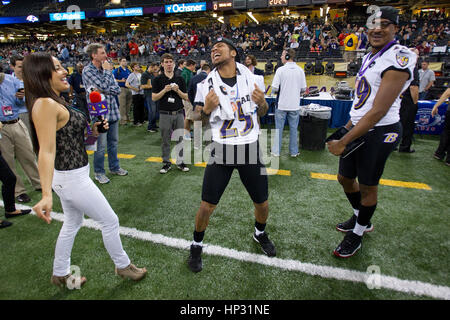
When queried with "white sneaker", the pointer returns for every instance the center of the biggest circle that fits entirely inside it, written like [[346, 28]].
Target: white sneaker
[[295, 155], [183, 167], [120, 172], [101, 178], [167, 166]]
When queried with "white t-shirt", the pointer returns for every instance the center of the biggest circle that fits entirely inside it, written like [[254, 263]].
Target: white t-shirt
[[425, 78], [135, 81], [289, 80], [397, 57], [241, 130]]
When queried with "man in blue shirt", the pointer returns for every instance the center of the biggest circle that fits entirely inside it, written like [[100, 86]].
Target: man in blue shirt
[[64, 53], [125, 98], [16, 65], [97, 75], [15, 142], [195, 80]]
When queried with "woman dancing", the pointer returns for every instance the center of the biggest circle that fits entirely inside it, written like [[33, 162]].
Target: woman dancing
[[58, 131]]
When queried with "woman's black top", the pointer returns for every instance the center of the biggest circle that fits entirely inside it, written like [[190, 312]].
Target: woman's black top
[[70, 149]]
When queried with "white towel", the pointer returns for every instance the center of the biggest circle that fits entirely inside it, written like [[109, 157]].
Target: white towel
[[245, 83]]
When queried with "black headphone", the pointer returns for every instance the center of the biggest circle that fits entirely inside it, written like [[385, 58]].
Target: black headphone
[[287, 56]]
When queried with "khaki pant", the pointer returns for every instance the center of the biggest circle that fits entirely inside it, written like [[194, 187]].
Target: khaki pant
[[25, 117], [188, 110], [16, 144], [125, 101]]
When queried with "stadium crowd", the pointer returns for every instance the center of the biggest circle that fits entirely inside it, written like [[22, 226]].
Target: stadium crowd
[[304, 35], [170, 86]]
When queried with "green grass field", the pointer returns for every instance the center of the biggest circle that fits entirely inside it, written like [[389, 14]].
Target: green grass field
[[411, 240]]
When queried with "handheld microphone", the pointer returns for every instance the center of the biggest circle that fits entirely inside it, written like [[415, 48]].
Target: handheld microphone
[[98, 108]]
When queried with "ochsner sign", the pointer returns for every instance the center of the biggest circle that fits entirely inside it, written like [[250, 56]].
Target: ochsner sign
[[185, 7]]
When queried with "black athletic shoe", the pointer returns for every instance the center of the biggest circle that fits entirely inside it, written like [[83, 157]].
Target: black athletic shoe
[[23, 198], [348, 247], [349, 225], [183, 167], [166, 167], [267, 246], [195, 258]]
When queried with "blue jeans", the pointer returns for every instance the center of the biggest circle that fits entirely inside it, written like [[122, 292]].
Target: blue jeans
[[109, 139], [280, 119], [423, 95], [151, 107]]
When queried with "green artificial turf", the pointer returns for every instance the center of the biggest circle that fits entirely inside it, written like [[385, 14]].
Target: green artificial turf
[[410, 240]]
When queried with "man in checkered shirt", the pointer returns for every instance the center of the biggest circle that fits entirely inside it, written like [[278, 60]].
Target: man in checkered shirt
[[97, 76]]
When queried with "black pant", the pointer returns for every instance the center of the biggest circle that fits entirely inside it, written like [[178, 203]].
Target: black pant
[[138, 108], [8, 179], [368, 161], [408, 112], [444, 143], [217, 176]]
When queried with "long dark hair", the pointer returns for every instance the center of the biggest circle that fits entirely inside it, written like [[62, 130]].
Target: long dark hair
[[37, 72]]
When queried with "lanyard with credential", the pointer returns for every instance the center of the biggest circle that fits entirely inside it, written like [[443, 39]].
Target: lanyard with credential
[[365, 65]]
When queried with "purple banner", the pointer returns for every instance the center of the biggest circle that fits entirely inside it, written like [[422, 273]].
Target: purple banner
[[151, 10]]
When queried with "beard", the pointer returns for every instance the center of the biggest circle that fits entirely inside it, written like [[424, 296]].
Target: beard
[[220, 63]]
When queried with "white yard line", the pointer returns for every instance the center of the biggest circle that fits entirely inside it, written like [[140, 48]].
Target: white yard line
[[379, 280]]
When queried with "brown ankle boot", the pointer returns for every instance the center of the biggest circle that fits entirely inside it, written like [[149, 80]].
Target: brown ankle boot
[[68, 281], [132, 272]]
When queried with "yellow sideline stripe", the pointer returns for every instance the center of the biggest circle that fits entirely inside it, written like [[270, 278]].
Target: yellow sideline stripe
[[270, 171], [386, 182], [279, 172], [159, 159], [119, 155]]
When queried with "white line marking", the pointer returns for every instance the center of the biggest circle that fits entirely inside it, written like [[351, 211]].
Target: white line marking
[[387, 282]]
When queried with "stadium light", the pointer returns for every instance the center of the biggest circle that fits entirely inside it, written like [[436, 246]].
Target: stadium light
[[250, 14], [221, 19]]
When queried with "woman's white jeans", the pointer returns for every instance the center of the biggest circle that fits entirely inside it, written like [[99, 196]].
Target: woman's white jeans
[[79, 195]]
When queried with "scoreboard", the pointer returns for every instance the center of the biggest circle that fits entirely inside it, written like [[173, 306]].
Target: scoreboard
[[219, 5], [229, 4], [253, 4], [277, 3], [299, 2], [222, 5], [239, 4]]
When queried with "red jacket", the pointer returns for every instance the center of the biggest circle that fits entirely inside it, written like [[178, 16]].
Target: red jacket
[[134, 48]]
